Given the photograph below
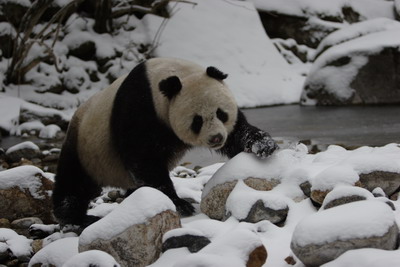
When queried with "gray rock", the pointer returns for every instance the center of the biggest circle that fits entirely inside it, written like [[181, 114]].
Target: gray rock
[[368, 76], [343, 200], [25, 223], [138, 245], [316, 255], [25, 194], [213, 204], [259, 212], [138, 225], [194, 243], [341, 195], [26, 150], [388, 181], [300, 28], [346, 227], [4, 252]]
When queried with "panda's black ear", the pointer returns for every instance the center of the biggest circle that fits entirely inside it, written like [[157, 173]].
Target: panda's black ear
[[215, 73], [170, 87]]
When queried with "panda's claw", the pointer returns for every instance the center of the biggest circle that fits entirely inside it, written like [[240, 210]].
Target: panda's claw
[[261, 144]]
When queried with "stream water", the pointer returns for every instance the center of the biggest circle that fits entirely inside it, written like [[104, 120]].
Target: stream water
[[319, 126]]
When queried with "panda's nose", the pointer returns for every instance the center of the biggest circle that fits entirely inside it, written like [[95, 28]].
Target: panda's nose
[[216, 140]]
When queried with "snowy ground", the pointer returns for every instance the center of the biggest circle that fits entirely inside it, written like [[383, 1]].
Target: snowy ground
[[336, 168]]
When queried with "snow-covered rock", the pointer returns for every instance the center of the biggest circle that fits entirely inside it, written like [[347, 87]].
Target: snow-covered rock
[[354, 31], [324, 236], [325, 181], [92, 258], [25, 192], [13, 245], [344, 194], [309, 21], [49, 131], [250, 205], [56, 253], [240, 247], [246, 167], [192, 239], [26, 150], [356, 71], [132, 232]]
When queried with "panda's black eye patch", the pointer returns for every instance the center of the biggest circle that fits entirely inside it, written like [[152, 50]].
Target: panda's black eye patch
[[197, 123], [222, 115]]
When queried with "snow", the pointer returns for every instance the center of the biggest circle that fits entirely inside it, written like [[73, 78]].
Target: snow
[[338, 78], [356, 30], [368, 9], [332, 176], [49, 131], [32, 126], [366, 257], [360, 219], [24, 177], [56, 253], [24, 145], [19, 245], [144, 203], [92, 258], [258, 74], [231, 249]]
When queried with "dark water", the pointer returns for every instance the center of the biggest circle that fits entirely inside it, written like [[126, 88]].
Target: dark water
[[350, 126]]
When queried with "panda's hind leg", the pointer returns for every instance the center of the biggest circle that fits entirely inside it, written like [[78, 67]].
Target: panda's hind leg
[[73, 190]]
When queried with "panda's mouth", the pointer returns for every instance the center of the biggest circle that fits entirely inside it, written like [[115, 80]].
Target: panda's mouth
[[216, 141]]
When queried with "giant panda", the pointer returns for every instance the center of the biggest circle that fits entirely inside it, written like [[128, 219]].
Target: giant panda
[[135, 131]]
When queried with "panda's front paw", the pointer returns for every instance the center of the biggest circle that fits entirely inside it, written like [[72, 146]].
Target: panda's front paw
[[260, 143], [183, 207]]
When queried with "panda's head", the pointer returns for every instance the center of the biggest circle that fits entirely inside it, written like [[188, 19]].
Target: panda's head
[[202, 110]]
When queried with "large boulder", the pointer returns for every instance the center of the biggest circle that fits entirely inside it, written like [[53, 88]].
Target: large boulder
[[327, 234], [357, 65], [138, 225], [255, 173], [309, 23], [325, 181], [25, 192]]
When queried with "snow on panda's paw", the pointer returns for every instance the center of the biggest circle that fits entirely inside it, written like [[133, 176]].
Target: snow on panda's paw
[[260, 143]]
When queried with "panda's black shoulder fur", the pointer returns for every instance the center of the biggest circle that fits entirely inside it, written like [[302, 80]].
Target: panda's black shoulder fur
[[136, 130]]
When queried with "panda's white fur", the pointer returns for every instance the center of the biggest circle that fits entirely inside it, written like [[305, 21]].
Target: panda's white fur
[[94, 143], [200, 95]]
